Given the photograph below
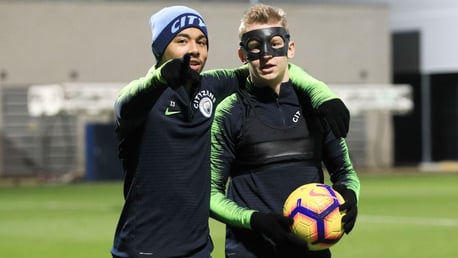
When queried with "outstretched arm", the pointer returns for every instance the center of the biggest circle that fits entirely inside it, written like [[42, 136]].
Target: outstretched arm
[[136, 99]]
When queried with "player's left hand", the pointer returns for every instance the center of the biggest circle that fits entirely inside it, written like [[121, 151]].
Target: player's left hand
[[350, 207], [337, 115]]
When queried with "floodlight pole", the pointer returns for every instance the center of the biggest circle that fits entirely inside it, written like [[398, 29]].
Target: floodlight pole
[[426, 153]]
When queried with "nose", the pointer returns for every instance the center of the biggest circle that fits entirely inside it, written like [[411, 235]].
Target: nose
[[194, 49], [266, 56], [265, 52]]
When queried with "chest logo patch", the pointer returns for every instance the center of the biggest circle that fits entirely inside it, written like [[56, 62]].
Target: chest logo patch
[[206, 106]]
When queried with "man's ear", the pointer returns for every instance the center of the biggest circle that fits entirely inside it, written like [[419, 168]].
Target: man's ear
[[291, 49], [242, 56]]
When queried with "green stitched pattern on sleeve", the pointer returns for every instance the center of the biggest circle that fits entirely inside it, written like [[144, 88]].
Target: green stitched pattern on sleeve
[[317, 90]]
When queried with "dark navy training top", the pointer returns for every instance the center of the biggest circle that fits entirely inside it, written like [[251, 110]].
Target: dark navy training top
[[164, 145]]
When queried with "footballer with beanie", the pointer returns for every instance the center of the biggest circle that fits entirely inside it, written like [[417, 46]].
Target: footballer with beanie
[[163, 125]]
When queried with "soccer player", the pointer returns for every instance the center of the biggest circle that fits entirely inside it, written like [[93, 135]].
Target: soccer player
[[268, 140], [163, 123]]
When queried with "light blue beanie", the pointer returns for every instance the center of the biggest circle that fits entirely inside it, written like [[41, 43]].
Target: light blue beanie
[[168, 22]]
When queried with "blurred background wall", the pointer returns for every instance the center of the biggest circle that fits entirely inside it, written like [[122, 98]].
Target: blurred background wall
[[100, 41]]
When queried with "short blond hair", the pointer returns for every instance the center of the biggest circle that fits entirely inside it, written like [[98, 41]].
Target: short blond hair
[[262, 14]]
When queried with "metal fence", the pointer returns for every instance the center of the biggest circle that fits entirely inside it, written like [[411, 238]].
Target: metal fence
[[34, 146], [43, 130]]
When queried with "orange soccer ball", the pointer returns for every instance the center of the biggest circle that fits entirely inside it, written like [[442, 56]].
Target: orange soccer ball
[[315, 210]]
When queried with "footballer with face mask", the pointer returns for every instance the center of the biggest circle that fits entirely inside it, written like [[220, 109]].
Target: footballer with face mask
[[268, 140]]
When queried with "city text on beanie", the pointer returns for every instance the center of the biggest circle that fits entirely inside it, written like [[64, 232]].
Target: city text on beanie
[[168, 22]]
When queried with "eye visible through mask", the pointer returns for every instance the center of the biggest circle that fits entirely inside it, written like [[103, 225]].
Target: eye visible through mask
[[272, 41]]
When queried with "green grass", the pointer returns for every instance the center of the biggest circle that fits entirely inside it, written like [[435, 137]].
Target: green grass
[[58, 221], [406, 215]]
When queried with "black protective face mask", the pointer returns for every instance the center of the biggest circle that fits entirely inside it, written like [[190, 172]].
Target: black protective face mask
[[272, 41]]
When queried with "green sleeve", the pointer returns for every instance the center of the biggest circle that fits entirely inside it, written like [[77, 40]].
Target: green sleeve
[[347, 174], [227, 211], [231, 72], [136, 99], [222, 156], [139, 85], [317, 90]]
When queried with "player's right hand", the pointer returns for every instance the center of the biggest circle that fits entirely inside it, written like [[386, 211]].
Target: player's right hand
[[273, 226], [177, 72], [277, 228]]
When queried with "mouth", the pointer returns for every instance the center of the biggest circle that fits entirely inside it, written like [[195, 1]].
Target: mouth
[[267, 67], [195, 64]]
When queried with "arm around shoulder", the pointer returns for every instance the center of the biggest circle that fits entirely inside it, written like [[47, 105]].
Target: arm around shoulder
[[330, 107], [317, 90]]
